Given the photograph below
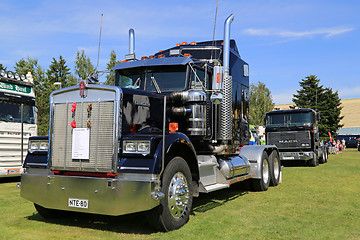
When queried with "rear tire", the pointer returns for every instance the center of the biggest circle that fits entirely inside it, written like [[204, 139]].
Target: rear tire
[[263, 183], [48, 213], [174, 209], [275, 168]]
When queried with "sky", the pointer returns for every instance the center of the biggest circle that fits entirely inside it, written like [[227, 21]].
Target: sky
[[282, 40]]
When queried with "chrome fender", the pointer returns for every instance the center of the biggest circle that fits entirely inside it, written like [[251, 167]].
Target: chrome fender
[[253, 153]]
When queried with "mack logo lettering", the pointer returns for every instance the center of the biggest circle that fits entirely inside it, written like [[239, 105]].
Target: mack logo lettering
[[288, 141]]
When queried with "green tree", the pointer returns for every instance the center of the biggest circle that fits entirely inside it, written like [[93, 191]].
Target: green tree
[[110, 78], [324, 100], [2, 67], [260, 102], [58, 72], [83, 66], [42, 89]]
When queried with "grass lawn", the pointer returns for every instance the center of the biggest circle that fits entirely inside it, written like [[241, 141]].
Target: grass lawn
[[311, 203]]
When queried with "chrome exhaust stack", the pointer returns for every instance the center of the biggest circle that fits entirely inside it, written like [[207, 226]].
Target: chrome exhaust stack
[[226, 104], [131, 55]]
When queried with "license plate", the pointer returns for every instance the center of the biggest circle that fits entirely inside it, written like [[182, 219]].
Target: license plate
[[288, 158], [78, 203], [13, 171]]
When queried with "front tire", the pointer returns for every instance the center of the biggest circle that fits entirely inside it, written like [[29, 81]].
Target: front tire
[[322, 159], [314, 162], [174, 209], [263, 183]]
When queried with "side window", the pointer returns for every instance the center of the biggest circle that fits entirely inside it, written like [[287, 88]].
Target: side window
[[198, 79]]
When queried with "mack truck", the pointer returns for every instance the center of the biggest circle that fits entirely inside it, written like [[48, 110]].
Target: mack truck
[[296, 134], [174, 125]]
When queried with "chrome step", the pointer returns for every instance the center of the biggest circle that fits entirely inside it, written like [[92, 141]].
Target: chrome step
[[217, 186]]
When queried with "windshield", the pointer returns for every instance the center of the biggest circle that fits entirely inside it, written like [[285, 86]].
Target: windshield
[[289, 119], [11, 112], [168, 78]]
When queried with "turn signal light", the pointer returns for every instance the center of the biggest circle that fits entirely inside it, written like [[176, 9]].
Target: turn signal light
[[187, 55], [173, 127], [133, 128]]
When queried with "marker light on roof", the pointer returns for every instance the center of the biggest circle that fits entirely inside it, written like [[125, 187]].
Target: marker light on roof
[[144, 58], [2, 73], [178, 44], [174, 52], [193, 43], [183, 43], [152, 57], [161, 56], [22, 77]]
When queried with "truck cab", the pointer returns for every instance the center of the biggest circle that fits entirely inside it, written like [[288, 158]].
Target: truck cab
[[296, 134], [174, 125]]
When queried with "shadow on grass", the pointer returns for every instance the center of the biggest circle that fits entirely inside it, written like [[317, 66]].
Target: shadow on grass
[[209, 201], [132, 223], [137, 223], [294, 163], [9, 180]]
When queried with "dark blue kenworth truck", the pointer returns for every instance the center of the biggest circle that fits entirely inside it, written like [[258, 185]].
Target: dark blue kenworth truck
[[174, 125]]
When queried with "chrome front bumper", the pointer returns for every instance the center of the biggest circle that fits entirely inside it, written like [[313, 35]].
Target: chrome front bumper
[[105, 196], [296, 156]]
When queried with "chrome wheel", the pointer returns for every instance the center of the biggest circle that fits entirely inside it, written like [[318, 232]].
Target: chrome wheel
[[276, 167], [178, 195], [265, 171]]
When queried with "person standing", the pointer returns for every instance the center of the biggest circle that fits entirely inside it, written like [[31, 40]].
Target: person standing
[[343, 143]]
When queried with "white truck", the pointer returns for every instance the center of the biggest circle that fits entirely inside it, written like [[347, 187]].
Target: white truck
[[17, 121]]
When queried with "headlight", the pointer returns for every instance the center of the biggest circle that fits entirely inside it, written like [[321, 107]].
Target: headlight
[[44, 145], [142, 147], [38, 145]]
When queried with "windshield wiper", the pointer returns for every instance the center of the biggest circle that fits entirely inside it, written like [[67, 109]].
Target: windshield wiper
[[155, 84], [136, 84]]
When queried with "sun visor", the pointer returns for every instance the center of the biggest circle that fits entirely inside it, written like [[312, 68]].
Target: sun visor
[[153, 62]]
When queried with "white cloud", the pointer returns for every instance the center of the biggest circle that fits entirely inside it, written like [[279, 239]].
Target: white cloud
[[348, 92], [327, 32]]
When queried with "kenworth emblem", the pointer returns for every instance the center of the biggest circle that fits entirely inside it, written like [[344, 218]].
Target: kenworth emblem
[[82, 86]]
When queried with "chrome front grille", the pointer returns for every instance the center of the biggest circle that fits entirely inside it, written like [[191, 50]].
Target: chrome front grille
[[102, 136]]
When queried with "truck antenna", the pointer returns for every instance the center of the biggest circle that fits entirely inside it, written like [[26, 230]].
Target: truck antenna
[[213, 40], [97, 64]]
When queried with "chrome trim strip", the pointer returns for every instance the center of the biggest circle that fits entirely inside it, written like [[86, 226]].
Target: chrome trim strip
[[134, 168]]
